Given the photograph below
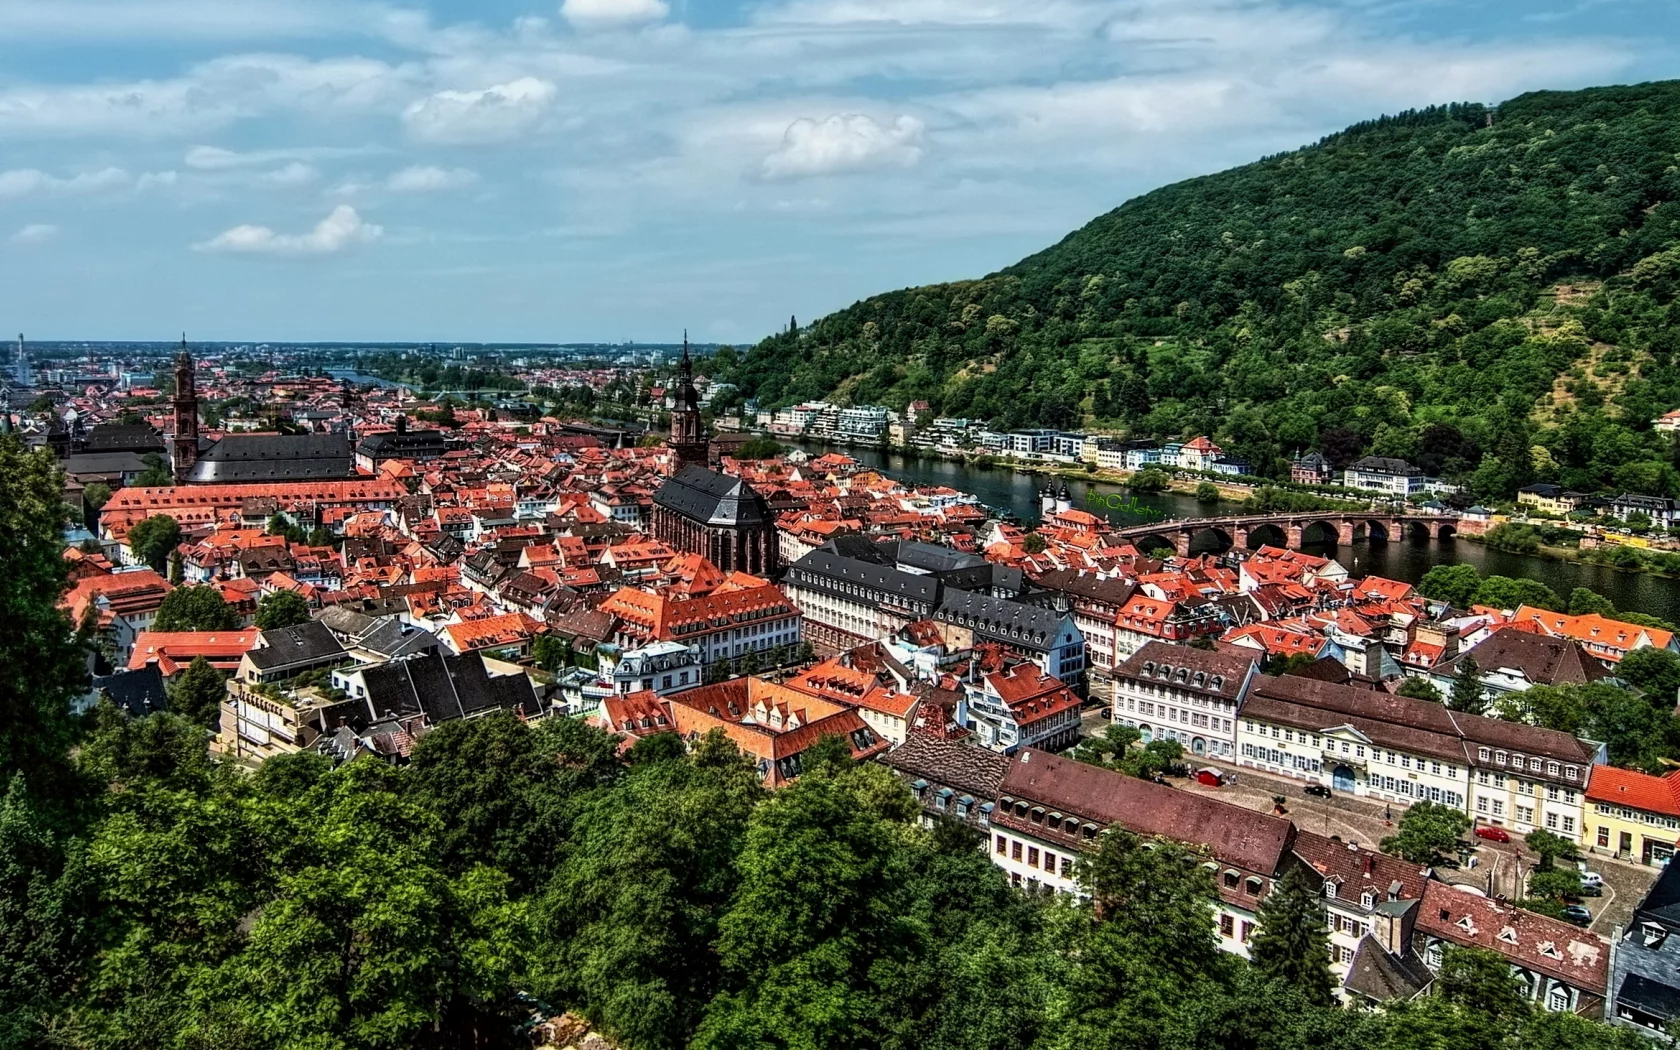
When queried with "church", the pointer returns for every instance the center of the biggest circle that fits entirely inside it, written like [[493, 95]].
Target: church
[[244, 459], [699, 511]]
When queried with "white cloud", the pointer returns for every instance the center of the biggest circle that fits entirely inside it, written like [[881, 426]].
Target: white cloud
[[338, 231], [495, 114], [209, 95], [287, 176], [613, 14], [844, 142], [426, 179], [35, 233], [21, 182]]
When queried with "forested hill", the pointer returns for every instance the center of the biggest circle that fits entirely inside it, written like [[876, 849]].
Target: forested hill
[[1488, 291]]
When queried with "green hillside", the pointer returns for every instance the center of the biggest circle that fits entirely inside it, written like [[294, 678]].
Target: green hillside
[[1487, 291]]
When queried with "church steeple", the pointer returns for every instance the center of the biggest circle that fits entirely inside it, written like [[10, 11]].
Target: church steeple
[[184, 445], [688, 435]]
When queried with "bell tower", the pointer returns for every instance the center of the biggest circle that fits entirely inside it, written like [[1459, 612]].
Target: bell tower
[[184, 446], [688, 443]]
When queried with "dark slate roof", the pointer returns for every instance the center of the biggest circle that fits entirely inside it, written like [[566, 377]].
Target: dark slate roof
[[139, 692], [243, 458], [931, 558], [977, 771], [409, 445], [1649, 997], [1314, 461], [1662, 904], [862, 548], [103, 463], [711, 498], [123, 437], [997, 618], [1382, 977], [1387, 465], [306, 643], [824, 570], [444, 688]]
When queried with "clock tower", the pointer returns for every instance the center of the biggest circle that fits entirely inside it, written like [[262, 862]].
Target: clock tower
[[184, 446]]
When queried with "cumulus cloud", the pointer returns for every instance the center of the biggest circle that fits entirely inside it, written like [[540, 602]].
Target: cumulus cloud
[[844, 142], [613, 14], [427, 179], [338, 231], [35, 233], [495, 114]]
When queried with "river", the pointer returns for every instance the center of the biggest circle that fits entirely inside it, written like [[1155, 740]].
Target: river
[[1408, 559]]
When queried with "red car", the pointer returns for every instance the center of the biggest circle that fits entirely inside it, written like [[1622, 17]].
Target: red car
[[1492, 833]]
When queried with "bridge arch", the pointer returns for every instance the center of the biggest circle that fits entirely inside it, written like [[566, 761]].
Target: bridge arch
[[1154, 541], [1319, 532], [1210, 538], [1418, 530], [1446, 530], [1371, 529], [1266, 534]]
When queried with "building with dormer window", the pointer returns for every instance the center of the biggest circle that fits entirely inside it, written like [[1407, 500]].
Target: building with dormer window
[[1174, 692]]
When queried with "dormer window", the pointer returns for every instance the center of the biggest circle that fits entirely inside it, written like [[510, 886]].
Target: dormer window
[[1330, 889], [1550, 950], [1367, 900], [1508, 935]]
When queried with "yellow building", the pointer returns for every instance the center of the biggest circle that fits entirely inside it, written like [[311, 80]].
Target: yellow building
[[1633, 816]]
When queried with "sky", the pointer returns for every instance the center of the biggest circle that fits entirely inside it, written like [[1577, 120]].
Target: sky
[[581, 170]]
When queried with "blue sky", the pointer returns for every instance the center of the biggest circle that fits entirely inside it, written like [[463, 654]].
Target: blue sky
[[605, 169]]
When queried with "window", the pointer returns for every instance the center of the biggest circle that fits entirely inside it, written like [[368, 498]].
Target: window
[[1552, 821], [1482, 753], [1067, 867], [1569, 825], [1231, 876], [1002, 845], [1603, 837], [1557, 1000], [1247, 928], [1015, 850], [1330, 889], [1481, 805], [1253, 887], [1367, 899], [1227, 925]]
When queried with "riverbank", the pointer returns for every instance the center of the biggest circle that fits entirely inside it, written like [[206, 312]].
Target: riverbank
[[1576, 556]]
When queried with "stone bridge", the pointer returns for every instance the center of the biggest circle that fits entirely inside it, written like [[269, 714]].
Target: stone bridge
[[1252, 531]]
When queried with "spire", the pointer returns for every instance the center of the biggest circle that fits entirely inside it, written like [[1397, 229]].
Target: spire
[[687, 362]]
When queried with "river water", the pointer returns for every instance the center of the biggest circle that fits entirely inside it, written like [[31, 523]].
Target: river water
[[1406, 559]]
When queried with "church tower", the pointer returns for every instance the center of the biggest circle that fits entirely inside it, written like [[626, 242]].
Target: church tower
[[688, 434], [184, 449]]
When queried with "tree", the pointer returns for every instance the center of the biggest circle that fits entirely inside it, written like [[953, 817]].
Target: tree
[[280, 525], [1207, 492], [759, 448], [1503, 592], [196, 694], [281, 609], [1584, 600], [156, 474], [42, 656], [1653, 671], [196, 608], [1419, 689], [1292, 945], [1034, 543], [1482, 983], [551, 652], [1149, 480], [1550, 846], [1454, 584], [95, 496], [153, 539], [1427, 831], [1468, 693]]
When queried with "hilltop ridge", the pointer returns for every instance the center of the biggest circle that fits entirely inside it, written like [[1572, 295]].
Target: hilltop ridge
[[1487, 290]]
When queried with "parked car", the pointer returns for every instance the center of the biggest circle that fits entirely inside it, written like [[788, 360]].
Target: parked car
[[1493, 833], [1592, 889], [1577, 914], [1316, 791], [1592, 878]]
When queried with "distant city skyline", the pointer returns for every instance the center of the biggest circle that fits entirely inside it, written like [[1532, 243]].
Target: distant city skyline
[[602, 170]]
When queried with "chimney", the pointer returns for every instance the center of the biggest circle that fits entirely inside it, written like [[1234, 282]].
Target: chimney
[[1367, 864]]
